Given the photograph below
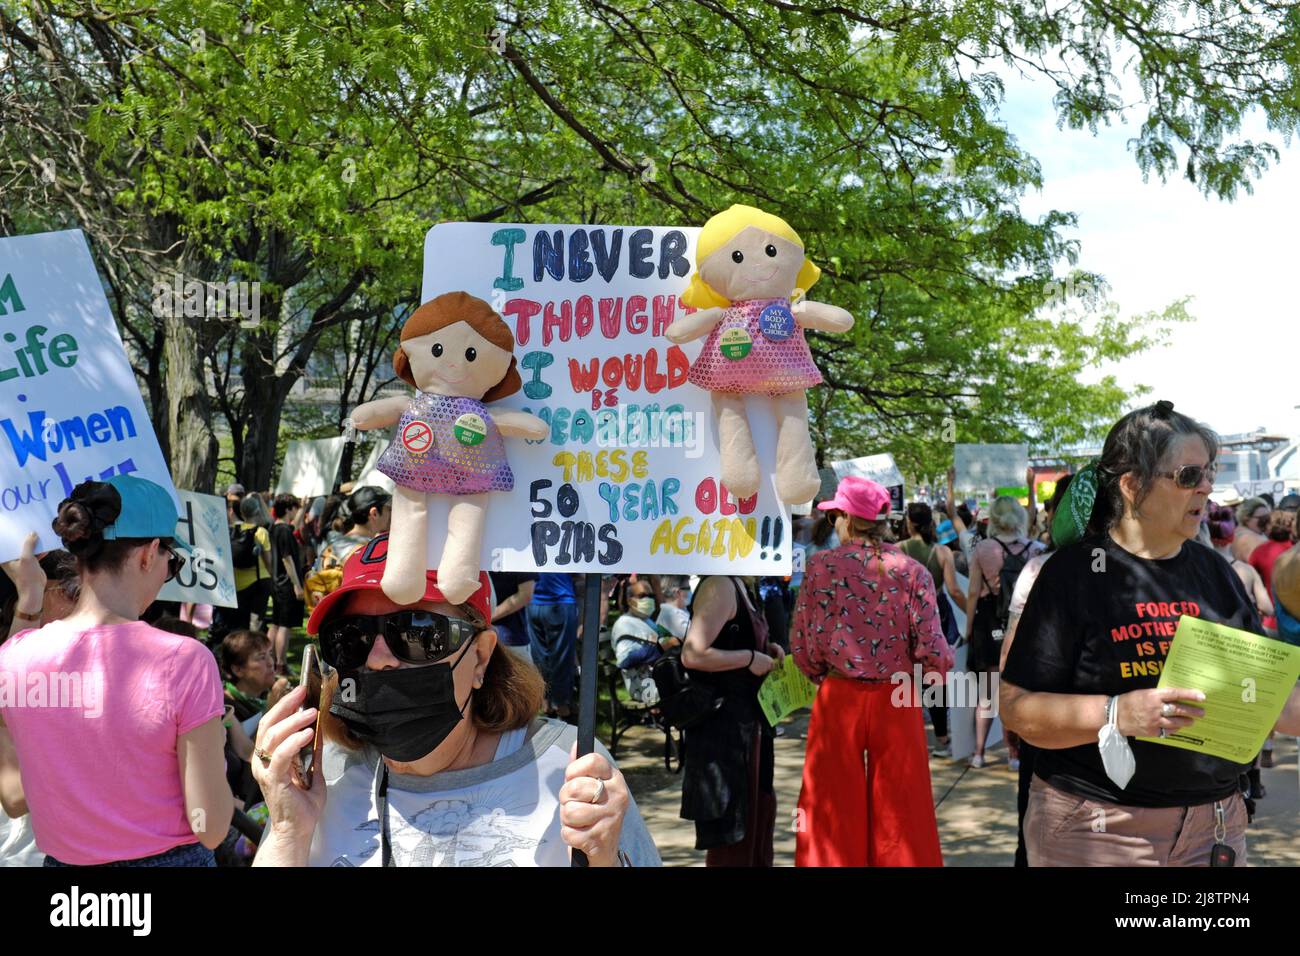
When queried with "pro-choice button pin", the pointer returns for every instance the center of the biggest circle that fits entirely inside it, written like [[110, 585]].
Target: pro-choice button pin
[[776, 322], [470, 429], [735, 343]]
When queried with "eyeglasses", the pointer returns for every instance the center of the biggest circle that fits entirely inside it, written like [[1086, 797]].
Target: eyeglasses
[[1190, 476], [175, 561], [414, 637]]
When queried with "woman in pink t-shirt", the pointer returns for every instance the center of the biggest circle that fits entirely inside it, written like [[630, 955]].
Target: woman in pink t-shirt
[[117, 725]]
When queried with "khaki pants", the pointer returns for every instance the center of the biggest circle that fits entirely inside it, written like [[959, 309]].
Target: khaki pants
[[1062, 829]]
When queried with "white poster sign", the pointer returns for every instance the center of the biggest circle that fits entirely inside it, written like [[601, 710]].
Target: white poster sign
[[310, 467], [878, 468], [1268, 486], [985, 467], [70, 406], [208, 575], [370, 473], [627, 480]]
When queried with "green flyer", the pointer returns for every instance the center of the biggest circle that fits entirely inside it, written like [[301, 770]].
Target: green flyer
[[1246, 680], [785, 690]]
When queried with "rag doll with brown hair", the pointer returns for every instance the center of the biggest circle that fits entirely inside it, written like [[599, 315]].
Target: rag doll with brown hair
[[459, 354]]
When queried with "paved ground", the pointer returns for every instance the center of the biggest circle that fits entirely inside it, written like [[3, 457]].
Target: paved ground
[[976, 809]]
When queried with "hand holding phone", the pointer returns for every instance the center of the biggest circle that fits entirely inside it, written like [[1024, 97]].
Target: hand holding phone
[[313, 679]]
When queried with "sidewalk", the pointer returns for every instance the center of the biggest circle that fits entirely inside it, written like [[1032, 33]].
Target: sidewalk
[[976, 809]]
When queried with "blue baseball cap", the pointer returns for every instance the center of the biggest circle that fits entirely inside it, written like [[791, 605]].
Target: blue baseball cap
[[945, 532], [147, 512]]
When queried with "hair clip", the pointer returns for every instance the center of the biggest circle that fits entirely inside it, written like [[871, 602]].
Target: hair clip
[[1163, 409]]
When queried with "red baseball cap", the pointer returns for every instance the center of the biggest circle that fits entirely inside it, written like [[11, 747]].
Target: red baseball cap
[[364, 569]]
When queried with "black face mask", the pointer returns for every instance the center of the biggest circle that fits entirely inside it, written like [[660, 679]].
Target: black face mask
[[405, 713]]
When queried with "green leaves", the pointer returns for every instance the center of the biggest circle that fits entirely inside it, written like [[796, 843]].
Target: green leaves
[[306, 144]]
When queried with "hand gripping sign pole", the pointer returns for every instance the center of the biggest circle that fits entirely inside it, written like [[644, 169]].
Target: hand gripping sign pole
[[587, 702]]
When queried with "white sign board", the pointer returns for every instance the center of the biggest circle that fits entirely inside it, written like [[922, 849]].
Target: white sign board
[[208, 575], [1268, 486], [878, 468], [370, 473], [70, 406], [310, 467], [627, 480], [985, 467]]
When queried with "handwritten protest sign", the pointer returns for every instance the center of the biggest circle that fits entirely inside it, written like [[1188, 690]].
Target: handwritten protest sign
[[1269, 486], [880, 469], [208, 575], [627, 480], [70, 406], [310, 467], [785, 690], [985, 467]]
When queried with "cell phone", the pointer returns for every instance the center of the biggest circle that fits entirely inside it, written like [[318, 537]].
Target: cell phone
[[313, 678]]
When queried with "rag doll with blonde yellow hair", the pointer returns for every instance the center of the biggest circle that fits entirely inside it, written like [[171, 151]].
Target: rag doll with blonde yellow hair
[[749, 286]]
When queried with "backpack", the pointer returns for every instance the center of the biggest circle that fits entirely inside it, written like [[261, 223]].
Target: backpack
[[324, 577], [243, 547], [1013, 562]]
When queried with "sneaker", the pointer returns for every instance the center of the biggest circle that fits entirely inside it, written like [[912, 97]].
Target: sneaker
[[1013, 764], [941, 750], [977, 762]]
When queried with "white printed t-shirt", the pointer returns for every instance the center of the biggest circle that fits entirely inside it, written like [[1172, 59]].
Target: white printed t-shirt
[[505, 813]]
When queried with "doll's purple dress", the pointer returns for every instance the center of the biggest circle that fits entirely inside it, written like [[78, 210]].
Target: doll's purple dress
[[447, 446]]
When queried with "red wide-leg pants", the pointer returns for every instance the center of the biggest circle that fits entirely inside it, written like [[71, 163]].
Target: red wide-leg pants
[[878, 815]]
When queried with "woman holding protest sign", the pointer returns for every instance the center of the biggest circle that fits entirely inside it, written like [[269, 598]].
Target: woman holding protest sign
[[443, 761], [1081, 679], [865, 618], [138, 734]]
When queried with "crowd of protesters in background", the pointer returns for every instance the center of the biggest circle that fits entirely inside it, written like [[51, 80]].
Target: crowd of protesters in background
[[204, 713]]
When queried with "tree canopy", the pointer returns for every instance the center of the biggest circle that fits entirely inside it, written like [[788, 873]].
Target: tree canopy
[[308, 146]]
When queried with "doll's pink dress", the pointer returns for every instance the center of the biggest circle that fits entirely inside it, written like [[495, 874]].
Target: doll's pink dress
[[756, 349], [447, 446]]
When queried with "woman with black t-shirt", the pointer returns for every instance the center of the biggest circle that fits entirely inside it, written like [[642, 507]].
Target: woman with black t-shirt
[[1096, 630]]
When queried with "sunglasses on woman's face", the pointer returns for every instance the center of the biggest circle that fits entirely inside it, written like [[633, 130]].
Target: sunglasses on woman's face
[[175, 561], [1190, 476], [414, 637]]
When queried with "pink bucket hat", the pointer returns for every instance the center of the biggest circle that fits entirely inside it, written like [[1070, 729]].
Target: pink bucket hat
[[860, 497]]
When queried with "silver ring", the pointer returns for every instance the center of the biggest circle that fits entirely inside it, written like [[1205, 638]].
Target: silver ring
[[1167, 710], [600, 790], [1162, 731]]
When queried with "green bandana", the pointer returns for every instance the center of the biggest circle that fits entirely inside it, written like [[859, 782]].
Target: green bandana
[[1074, 511]]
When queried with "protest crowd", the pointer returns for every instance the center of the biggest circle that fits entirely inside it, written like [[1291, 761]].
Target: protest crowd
[[1060, 613]]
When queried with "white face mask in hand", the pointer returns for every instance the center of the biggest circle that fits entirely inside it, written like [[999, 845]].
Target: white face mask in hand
[[1116, 754]]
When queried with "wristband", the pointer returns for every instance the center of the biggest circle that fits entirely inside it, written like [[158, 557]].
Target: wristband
[[752, 655]]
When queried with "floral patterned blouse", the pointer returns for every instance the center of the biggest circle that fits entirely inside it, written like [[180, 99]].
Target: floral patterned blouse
[[867, 611]]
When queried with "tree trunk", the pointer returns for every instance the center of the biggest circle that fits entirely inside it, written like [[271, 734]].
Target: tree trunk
[[193, 445]]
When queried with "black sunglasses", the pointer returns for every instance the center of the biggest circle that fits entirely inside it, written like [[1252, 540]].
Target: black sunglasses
[[1189, 476], [175, 560], [414, 637]]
